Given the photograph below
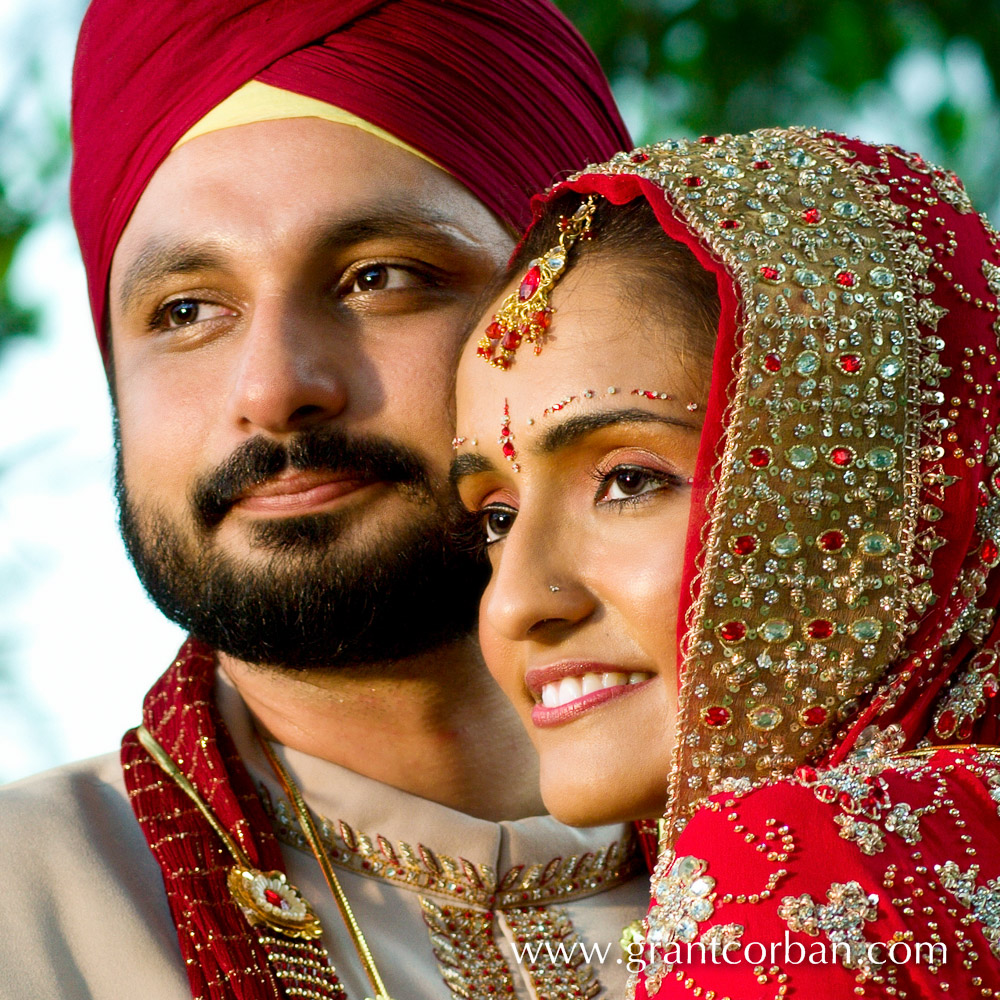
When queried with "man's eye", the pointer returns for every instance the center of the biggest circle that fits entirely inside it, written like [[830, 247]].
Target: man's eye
[[381, 278], [185, 312], [497, 522], [629, 482]]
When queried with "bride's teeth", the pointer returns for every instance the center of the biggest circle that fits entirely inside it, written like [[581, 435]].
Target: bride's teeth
[[591, 683], [550, 695], [570, 689], [613, 679], [637, 677]]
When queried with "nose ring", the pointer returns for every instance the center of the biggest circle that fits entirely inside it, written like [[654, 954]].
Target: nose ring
[[553, 588]]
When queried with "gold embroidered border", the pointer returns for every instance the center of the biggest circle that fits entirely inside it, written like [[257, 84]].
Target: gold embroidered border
[[419, 867]]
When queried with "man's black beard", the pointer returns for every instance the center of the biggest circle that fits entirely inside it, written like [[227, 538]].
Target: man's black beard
[[310, 604]]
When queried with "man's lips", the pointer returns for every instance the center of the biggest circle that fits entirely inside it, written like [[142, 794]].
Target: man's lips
[[299, 492], [565, 690]]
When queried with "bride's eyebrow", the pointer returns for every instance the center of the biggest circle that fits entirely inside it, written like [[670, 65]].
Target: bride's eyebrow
[[468, 464], [574, 428]]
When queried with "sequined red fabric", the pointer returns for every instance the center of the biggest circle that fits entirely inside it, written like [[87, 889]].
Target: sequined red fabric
[[842, 571]]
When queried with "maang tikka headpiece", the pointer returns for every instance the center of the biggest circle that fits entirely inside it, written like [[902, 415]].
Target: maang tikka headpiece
[[525, 314]]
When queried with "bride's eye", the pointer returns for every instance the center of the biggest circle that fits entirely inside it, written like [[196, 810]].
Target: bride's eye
[[497, 522], [629, 482]]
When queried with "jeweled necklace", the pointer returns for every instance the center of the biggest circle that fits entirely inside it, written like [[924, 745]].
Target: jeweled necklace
[[311, 834], [267, 898]]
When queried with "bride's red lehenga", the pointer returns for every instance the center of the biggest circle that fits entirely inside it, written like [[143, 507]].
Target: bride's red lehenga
[[836, 785]]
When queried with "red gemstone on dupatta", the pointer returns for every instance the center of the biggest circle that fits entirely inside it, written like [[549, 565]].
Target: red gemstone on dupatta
[[989, 552], [841, 456], [850, 364], [811, 216], [772, 363], [846, 279], [708, 140], [815, 715], [819, 628], [744, 545], [946, 723], [733, 631], [831, 541], [964, 730], [716, 716], [762, 164], [759, 457], [694, 181], [729, 224], [769, 273], [529, 284], [273, 898], [805, 773], [639, 157]]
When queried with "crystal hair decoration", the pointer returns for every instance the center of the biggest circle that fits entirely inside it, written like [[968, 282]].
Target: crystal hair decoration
[[525, 315]]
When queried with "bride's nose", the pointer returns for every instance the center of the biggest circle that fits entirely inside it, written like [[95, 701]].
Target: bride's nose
[[537, 589]]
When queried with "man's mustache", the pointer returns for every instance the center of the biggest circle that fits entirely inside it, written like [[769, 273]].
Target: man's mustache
[[320, 450]]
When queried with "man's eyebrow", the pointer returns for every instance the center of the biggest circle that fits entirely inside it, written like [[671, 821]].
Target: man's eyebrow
[[469, 464], [160, 259], [574, 428], [157, 260]]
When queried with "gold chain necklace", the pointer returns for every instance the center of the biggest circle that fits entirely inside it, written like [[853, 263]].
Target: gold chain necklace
[[308, 826], [268, 898]]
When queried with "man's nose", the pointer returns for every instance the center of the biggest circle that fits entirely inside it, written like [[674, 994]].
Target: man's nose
[[536, 591], [288, 374]]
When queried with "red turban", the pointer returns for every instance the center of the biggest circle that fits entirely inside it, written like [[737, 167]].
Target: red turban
[[506, 96]]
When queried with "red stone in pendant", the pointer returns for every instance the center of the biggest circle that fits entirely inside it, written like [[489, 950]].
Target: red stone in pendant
[[508, 449], [529, 284], [964, 730], [694, 181], [745, 545], [811, 216], [841, 456], [772, 363], [819, 628], [733, 631], [274, 898], [511, 340], [989, 552], [850, 364], [759, 457], [483, 351], [831, 541], [542, 318], [846, 279], [815, 715], [716, 716], [770, 273]]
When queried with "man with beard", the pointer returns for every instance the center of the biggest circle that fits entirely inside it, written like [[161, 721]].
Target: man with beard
[[285, 211]]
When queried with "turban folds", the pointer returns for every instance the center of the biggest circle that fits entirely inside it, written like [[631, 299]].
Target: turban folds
[[505, 96]]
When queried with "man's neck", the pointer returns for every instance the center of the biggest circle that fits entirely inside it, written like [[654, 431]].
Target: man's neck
[[435, 726]]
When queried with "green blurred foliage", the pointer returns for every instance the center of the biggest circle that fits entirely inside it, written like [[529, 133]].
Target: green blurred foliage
[[689, 67]]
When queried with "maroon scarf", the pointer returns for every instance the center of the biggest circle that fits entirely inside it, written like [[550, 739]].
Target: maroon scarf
[[226, 959]]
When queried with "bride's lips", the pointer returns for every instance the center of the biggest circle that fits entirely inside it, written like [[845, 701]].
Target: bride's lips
[[300, 492], [563, 691]]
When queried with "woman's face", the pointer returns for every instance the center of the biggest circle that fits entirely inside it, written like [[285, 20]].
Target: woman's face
[[585, 514]]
